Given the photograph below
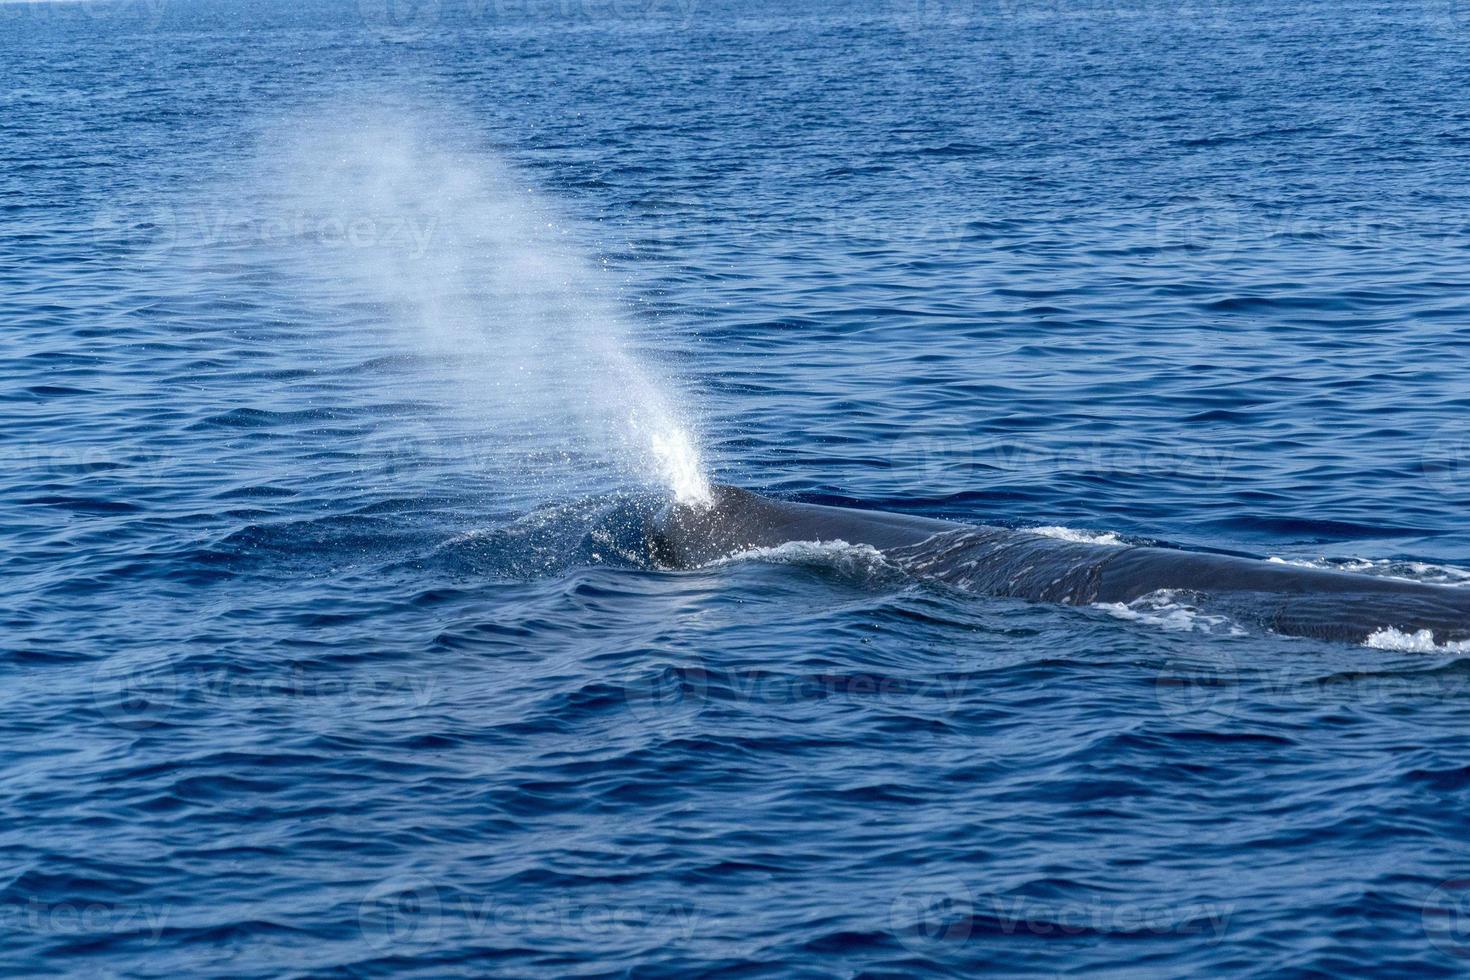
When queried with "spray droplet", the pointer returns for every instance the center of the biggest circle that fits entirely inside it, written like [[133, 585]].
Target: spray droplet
[[519, 326], [679, 463]]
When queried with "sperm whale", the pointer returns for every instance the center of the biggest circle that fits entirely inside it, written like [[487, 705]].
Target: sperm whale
[[1287, 599]]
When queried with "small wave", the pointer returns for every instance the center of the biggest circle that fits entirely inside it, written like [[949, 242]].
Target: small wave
[[1420, 641], [1079, 537], [1165, 610], [1408, 571]]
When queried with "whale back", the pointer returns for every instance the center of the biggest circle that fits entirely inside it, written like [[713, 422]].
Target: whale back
[[737, 520], [989, 560]]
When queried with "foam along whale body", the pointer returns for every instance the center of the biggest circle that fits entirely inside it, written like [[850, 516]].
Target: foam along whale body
[[1288, 599]]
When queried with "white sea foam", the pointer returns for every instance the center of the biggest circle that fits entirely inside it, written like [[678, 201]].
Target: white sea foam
[[1421, 641], [1166, 610], [1079, 537], [1408, 571], [836, 554]]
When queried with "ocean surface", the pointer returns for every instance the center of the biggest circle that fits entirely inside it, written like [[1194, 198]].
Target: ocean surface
[[348, 347]]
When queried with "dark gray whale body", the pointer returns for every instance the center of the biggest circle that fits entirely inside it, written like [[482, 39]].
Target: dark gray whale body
[[998, 561]]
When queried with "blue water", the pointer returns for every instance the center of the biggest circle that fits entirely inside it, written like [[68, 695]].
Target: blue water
[[330, 646]]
